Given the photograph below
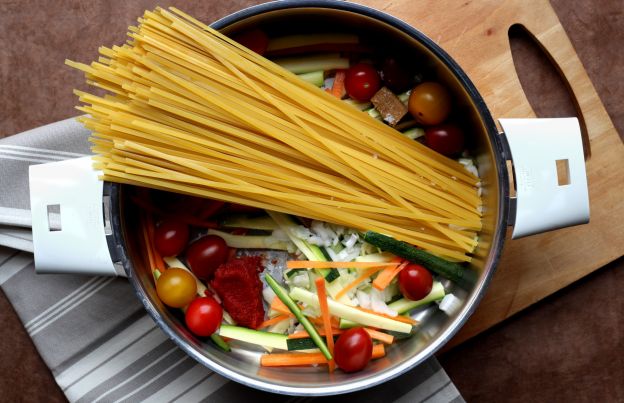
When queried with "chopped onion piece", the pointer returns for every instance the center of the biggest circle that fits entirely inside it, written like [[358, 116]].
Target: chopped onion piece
[[378, 304], [364, 299], [301, 280], [268, 294], [350, 242]]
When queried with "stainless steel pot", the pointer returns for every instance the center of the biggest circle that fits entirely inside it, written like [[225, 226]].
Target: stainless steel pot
[[540, 204]]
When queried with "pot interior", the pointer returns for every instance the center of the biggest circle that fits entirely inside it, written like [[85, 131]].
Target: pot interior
[[390, 37]]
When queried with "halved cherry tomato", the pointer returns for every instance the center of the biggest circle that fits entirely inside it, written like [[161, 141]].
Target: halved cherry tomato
[[447, 139], [429, 103], [362, 82], [170, 237], [415, 282], [206, 254], [353, 349], [203, 316], [254, 39], [176, 287]]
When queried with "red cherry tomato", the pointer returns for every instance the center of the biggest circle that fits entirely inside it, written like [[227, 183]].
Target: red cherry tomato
[[362, 82], [415, 282], [395, 76], [353, 349], [203, 316], [447, 139], [206, 254], [255, 40], [170, 237]]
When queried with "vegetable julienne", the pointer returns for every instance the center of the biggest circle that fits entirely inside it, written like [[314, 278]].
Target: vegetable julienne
[[272, 340], [273, 321], [375, 334], [398, 318], [306, 152], [282, 295], [307, 264], [367, 273], [147, 243], [338, 88], [322, 299], [387, 275], [158, 261], [304, 334], [381, 336], [280, 307], [297, 359]]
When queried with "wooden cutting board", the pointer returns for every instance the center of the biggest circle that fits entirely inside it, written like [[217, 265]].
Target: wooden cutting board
[[475, 34]]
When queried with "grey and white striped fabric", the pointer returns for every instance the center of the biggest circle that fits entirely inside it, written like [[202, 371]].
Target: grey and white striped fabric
[[93, 332]]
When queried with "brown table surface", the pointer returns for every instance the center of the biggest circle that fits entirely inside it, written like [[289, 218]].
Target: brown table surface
[[568, 347]]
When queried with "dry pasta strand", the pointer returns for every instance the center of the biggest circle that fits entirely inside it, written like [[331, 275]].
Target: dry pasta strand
[[189, 110]]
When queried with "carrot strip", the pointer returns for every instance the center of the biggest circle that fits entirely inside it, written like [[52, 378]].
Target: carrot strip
[[311, 264], [384, 278], [354, 283], [375, 334], [381, 336], [303, 334], [338, 88], [398, 318], [278, 306], [378, 351], [335, 322], [158, 260], [146, 242], [273, 321], [298, 359], [322, 297]]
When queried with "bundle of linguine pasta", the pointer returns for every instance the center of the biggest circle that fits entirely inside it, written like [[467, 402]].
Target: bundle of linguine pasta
[[190, 111]]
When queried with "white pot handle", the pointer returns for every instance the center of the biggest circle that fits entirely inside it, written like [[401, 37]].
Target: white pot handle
[[549, 174], [70, 219]]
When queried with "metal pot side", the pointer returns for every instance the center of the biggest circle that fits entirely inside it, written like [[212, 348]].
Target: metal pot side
[[438, 329]]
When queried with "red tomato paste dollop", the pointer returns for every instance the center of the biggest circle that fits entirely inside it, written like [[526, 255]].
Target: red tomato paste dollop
[[238, 284]]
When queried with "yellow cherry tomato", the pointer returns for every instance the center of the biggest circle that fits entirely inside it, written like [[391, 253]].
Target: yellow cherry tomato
[[176, 287], [429, 103]]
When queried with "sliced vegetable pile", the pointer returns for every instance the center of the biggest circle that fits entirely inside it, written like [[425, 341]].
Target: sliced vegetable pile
[[341, 296], [336, 300]]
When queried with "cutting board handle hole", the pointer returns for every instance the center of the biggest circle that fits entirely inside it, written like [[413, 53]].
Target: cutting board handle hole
[[545, 87]]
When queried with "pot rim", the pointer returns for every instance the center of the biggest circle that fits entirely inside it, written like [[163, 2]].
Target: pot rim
[[476, 294]]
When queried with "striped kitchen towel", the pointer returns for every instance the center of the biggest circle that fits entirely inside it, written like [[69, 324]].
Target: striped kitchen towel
[[93, 332]]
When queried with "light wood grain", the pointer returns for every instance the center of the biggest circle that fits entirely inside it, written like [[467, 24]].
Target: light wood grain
[[475, 34]]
